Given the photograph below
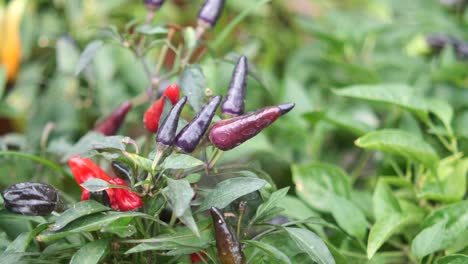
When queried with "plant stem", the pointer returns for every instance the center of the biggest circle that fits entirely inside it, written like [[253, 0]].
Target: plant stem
[[173, 219], [162, 57], [215, 157]]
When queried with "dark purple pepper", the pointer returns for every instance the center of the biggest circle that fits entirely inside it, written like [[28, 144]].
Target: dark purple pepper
[[100, 197], [122, 171], [32, 198], [154, 4], [229, 247], [230, 133], [190, 136], [234, 102], [211, 11], [439, 41], [168, 129], [111, 124]]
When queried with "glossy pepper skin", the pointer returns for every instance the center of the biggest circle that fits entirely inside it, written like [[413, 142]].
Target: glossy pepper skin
[[126, 200], [114, 121], [167, 132], [120, 199], [229, 247], [230, 133], [191, 135], [122, 171], [32, 198], [153, 114], [211, 11], [233, 104]]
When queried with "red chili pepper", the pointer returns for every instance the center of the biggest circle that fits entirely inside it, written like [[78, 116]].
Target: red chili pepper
[[120, 199], [195, 258], [173, 93], [114, 121], [126, 200], [154, 112]]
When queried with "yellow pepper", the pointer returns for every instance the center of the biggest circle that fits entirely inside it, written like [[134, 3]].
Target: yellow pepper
[[10, 43]]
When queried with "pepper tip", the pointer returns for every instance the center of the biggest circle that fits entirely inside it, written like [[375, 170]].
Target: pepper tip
[[285, 108]]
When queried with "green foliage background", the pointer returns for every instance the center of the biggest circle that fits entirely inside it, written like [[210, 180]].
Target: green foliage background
[[375, 147]]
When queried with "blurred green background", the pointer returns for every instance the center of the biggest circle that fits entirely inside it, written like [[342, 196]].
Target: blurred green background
[[299, 51]]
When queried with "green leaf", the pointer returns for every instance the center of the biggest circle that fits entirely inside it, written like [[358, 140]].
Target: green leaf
[[270, 250], [430, 240], [67, 55], [91, 253], [384, 202], [181, 161], [229, 190], [193, 84], [121, 228], [95, 185], [88, 144], [448, 224], [453, 213], [318, 184], [449, 185], [88, 223], [296, 208], [182, 238], [151, 30], [339, 258], [311, 244], [45, 162], [88, 55], [395, 94], [349, 217], [453, 259], [442, 110], [179, 194], [7, 215], [401, 143], [384, 228], [342, 120], [270, 204], [189, 221], [139, 161], [78, 210], [20, 244], [363, 200]]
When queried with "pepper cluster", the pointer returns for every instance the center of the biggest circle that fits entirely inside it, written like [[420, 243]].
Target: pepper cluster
[[225, 134]]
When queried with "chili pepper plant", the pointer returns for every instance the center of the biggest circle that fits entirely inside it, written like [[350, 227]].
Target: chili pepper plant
[[160, 195]]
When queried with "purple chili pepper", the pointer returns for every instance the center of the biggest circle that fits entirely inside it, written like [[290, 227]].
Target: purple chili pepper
[[230, 133], [211, 11], [167, 131], [154, 4], [114, 121], [234, 102], [190, 136]]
